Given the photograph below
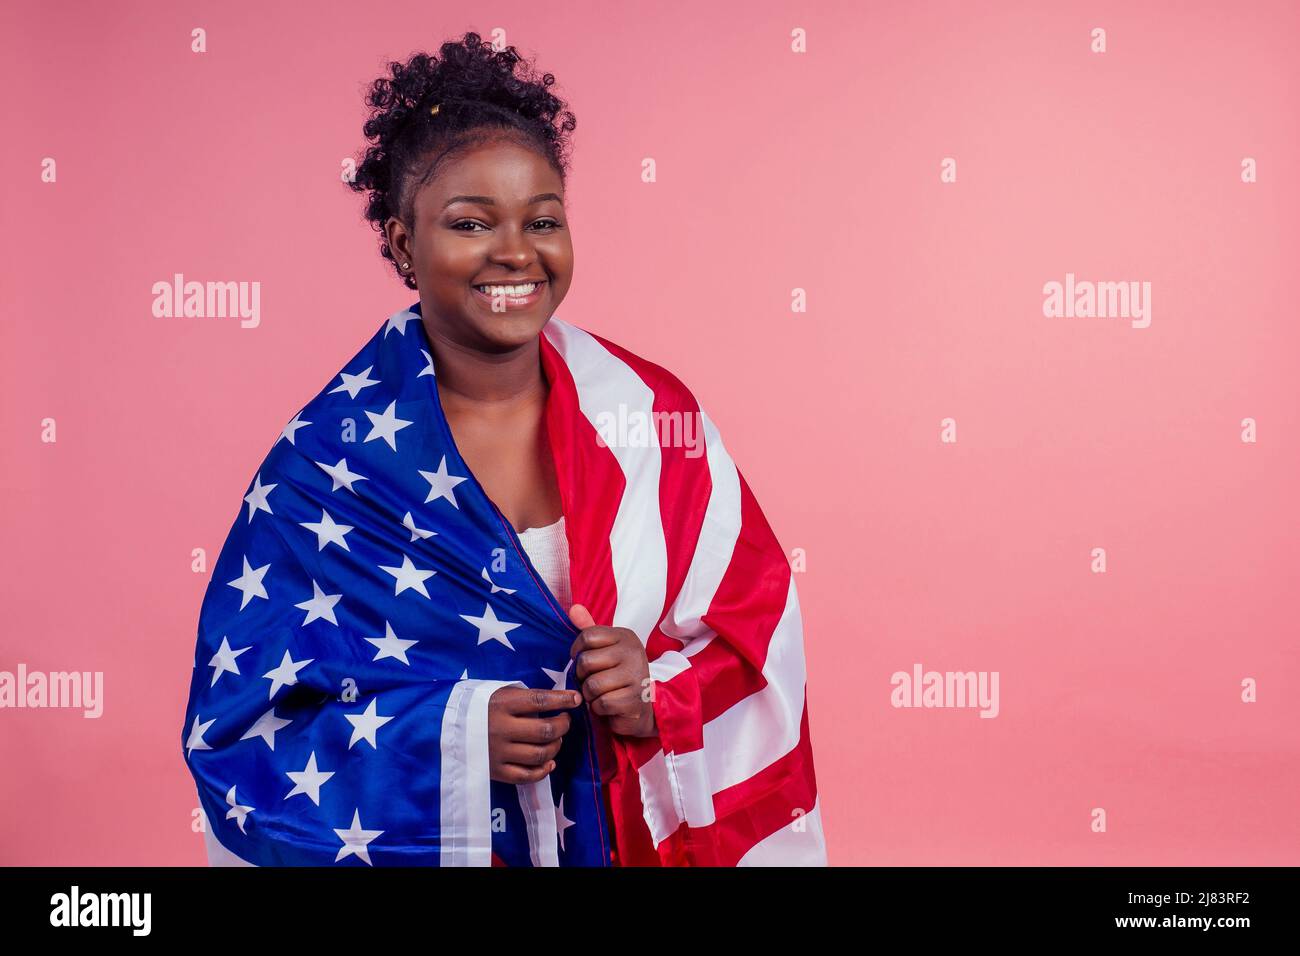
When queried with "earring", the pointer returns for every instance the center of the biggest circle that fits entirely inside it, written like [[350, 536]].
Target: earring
[[406, 265]]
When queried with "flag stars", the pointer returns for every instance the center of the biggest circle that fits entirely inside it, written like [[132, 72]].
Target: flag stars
[[340, 475], [491, 628], [409, 524], [408, 576], [320, 606], [354, 383], [292, 428], [250, 583], [223, 661], [237, 813], [559, 678], [390, 645], [366, 724], [286, 675], [398, 321], [327, 531], [308, 780], [428, 369], [257, 497], [196, 741], [386, 425], [441, 484], [266, 727], [562, 822], [496, 587], [356, 840]]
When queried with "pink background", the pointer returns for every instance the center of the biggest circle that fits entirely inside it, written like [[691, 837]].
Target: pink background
[[776, 171]]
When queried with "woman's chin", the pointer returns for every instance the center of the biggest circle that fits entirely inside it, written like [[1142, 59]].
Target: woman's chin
[[513, 328]]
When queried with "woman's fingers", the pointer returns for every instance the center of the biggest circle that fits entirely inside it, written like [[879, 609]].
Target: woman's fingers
[[529, 755], [532, 700], [604, 682], [535, 730], [598, 659], [516, 774], [625, 701]]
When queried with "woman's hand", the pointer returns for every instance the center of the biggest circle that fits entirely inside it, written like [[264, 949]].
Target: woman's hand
[[615, 675], [522, 748]]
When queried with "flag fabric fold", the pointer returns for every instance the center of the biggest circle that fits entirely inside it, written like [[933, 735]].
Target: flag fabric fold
[[370, 598]]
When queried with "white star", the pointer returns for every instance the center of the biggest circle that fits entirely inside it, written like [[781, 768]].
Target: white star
[[250, 582], [223, 661], [286, 674], [321, 605], [559, 677], [308, 780], [356, 840], [398, 321], [441, 483], [562, 822], [327, 532], [236, 811], [292, 428], [491, 628], [409, 524], [496, 587], [408, 576], [196, 741], [342, 477], [354, 383], [464, 675], [257, 497], [428, 369], [266, 727], [390, 645], [386, 426], [365, 724]]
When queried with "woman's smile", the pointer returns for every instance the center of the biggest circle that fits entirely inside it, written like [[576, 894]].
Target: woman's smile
[[512, 295]]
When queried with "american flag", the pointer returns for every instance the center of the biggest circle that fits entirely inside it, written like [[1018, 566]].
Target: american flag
[[370, 598]]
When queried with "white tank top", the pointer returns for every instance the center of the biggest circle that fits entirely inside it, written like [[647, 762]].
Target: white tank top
[[548, 549]]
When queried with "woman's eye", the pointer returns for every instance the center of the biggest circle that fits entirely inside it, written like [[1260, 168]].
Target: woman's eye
[[547, 223]]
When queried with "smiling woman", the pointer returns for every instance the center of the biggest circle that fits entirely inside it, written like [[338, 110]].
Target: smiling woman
[[495, 631]]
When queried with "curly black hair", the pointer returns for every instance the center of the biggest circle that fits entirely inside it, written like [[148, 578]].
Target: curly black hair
[[481, 92]]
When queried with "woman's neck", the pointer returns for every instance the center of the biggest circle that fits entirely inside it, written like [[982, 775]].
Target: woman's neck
[[502, 380]]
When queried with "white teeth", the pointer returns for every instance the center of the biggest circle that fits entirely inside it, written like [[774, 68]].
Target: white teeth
[[525, 289]]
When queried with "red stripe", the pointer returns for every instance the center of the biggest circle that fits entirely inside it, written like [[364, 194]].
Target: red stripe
[[591, 485], [752, 810], [750, 601]]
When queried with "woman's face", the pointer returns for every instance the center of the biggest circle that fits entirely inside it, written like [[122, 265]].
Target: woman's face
[[492, 215]]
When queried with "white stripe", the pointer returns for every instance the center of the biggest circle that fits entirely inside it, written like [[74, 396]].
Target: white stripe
[[755, 732], [636, 541], [465, 791], [539, 814], [739, 743], [790, 847], [717, 543]]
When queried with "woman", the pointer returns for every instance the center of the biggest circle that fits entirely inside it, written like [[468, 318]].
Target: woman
[[660, 721]]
